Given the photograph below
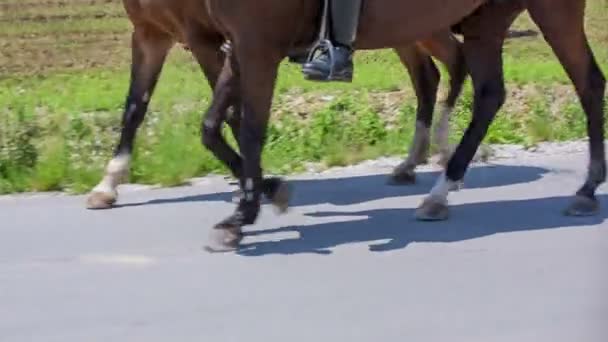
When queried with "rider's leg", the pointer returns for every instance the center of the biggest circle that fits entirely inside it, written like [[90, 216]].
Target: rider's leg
[[344, 24]]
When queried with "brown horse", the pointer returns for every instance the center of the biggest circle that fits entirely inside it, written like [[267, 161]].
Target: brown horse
[[259, 47], [159, 24]]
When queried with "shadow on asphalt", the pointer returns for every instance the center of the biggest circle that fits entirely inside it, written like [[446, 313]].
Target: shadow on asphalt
[[360, 189], [397, 227]]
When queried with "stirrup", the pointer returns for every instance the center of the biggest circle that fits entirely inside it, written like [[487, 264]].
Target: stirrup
[[324, 45]]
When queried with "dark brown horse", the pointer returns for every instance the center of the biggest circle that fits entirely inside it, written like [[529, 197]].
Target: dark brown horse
[[159, 24], [259, 46]]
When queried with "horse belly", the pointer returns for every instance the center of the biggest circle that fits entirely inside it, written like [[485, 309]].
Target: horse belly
[[391, 23]]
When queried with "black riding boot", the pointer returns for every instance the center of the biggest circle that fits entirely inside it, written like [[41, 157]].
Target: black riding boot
[[344, 23]]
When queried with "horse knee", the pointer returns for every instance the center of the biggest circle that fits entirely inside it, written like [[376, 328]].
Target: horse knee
[[491, 94], [211, 134]]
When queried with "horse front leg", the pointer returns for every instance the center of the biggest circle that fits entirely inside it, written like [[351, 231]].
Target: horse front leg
[[256, 79], [564, 30], [483, 52], [226, 96], [447, 49], [149, 50], [425, 79]]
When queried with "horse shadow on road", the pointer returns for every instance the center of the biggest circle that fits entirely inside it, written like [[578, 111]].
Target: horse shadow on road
[[397, 227], [361, 189]]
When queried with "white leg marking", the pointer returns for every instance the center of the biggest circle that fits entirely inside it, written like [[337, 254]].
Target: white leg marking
[[116, 168], [439, 192], [132, 108], [442, 130], [146, 97], [249, 189], [419, 145], [249, 184]]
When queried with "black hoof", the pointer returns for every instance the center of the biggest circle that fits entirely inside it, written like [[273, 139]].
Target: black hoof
[[432, 210], [403, 174], [583, 206], [402, 178]]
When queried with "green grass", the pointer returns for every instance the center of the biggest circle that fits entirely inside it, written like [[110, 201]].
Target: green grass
[[61, 99]]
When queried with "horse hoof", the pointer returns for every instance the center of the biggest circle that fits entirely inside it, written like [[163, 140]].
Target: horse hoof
[[101, 200], [432, 210], [402, 176], [402, 179], [583, 206], [222, 240], [281, 197]]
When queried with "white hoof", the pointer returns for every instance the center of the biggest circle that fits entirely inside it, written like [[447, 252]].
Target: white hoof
[[101, 200], [432, 210]]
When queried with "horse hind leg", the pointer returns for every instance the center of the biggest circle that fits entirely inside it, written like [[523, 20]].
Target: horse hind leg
[[483, 50], [562, 24], [257, 76], [448, 50], [149, 50], [425, 79]]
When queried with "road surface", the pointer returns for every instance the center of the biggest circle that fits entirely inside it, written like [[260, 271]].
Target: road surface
[[348, 263]]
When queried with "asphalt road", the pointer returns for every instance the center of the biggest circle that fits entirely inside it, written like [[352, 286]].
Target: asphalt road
[[347, 263]]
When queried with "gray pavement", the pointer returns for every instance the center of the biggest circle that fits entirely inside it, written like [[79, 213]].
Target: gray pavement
[[347, 263]]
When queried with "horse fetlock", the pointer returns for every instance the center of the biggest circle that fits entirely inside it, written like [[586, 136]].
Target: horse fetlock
[[118, 165], [246, 214], [227, 234], [442, 188], [275, 189], [248, 210], [111, 180], [104, 194]]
